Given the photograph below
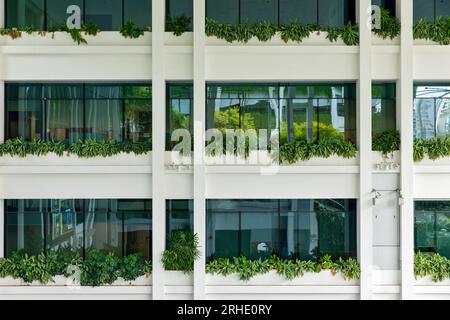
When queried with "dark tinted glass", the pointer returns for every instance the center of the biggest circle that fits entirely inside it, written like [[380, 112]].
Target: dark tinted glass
[[223, 11], [28, 13], [303, 11], [177, 8], [259, 10], [423, 9], [105, 14], [332, 12], [383, 107], [443, 8], [139, 11], [57, 12]]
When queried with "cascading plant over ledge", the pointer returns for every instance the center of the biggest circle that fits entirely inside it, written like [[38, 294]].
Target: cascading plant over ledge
[[434, 148], [433, 265], [265, 31], [386, 142], [183, 250], [288, 268], [97, 269], [83, 149], [437, 31]]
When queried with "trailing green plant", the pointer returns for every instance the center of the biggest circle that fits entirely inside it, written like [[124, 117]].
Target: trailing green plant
[[386, 142], [433, 265], [83, 149], [178, 24], [437, 31], [265, 30], [77, 34], [390, 27], [98, 268], [182, 252], [434, 148], [129, 30], [288, 268], [325, 147]]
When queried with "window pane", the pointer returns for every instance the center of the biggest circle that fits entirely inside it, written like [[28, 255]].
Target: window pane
[[65, 225], [24, 119], [423, 9], [104, 113], [299, 119], [443, 8], [222, 239], [332, 12], [176, 8], [25, 13], [64, 111], [137, 230], [139, 11], [179, 110], [303, 11], [138, 120], [105, 14], [25, 226], [383, 115], [103, 226], [57, 12], [442, 117], [424, 119], [223, 11], [259, 10], [179, 216]]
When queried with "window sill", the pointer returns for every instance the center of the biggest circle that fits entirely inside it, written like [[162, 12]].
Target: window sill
[[61, 281]]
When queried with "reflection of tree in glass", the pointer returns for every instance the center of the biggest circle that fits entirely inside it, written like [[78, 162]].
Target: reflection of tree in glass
[[231, 119], [300, 131]]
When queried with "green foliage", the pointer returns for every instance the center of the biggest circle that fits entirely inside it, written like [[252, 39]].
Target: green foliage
[[83, 149], [182, 252], [288, 268], [178, 24], [77, 34], [433, 265], [302, 149], [390, 26], [13, 33], [129, 30], [97, 269], [386, 142], [264, 31], [435, 148], [437, 31]]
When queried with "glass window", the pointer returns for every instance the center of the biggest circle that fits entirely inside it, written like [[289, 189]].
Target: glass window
[[432, 227], [431, 111], [223, 11], [179, 110], [25, 13], [179, 216], [259, 10], [139, 11], [305, 229], [423, 9], [56, 13], [386, 4], [64, 112], [177, 8], [25, 226], [137, 113], [105, 14], [383, 107], [332, 12], [303, 11], [64, 225], [137, 227], [443, 8]]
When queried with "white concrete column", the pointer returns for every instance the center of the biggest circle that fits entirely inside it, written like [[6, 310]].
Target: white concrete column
[[364, 98], [199, 146], [405, 88], [2, 13], [158, 143]]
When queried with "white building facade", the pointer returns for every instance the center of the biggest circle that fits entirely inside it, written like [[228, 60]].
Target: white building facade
[[383, 230]]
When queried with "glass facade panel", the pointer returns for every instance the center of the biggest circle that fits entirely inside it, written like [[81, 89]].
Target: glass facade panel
[[443, 8], [332, 12], [259, 10], [431, 111], [179, 110], [122, 227], [75, 112], [303, 11], [383, 107], [179, 216], [25, 13], [139, 11], [432, 227], [386, 4], [105, 14], [56, 13], [305, 229], [431, 9], [223, 11], [177, 8]]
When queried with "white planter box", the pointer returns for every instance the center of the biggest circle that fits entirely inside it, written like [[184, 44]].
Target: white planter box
[[61, 281], [178, 278], [438, 162], [427, 281], [105, 38], [52, 159], [315, 39], [10, 281], [378, 41], [185, 39], [324, 278], [423, 42], [393, 162]]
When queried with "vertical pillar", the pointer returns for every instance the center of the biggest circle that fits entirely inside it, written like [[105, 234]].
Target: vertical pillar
[[364, 111], [158, 143], [199, 146], [2, 13], [2, 129], [405, 85]]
